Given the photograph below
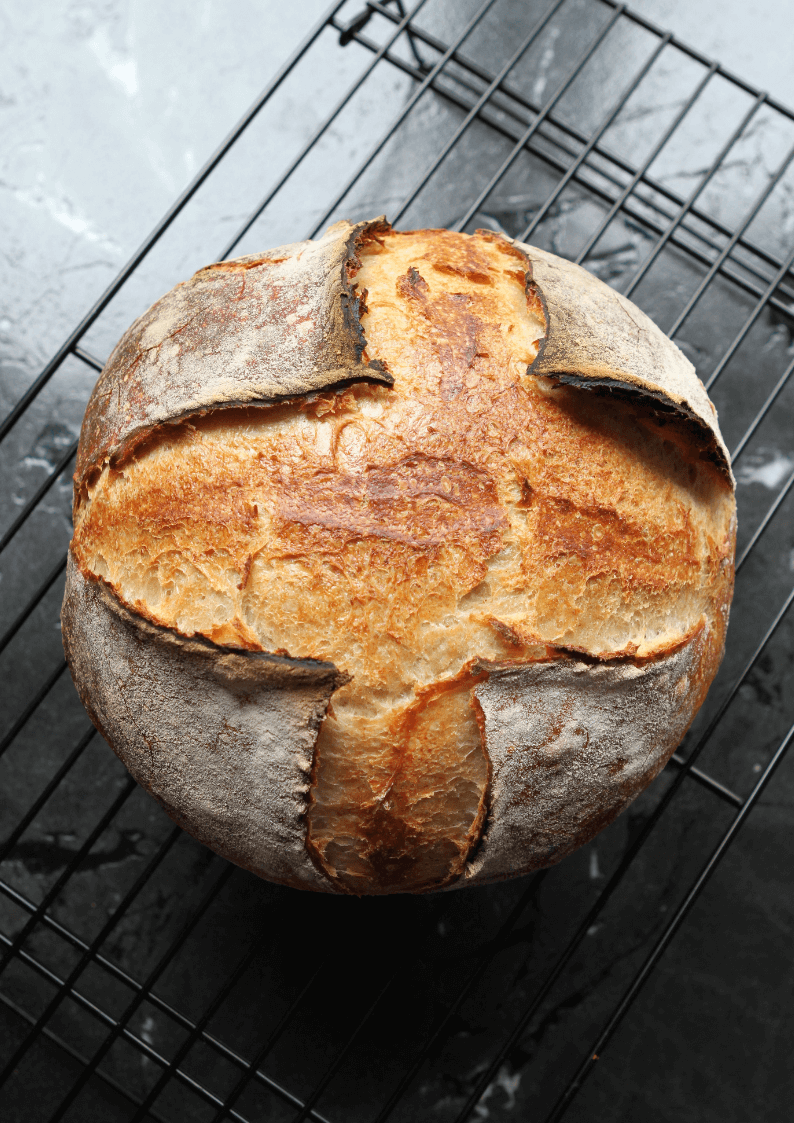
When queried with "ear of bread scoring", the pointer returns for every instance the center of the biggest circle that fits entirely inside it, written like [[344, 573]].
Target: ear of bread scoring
[[595, 337], [262, 328]]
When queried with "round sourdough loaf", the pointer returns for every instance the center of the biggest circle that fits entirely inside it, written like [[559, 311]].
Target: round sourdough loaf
[[402, 561]]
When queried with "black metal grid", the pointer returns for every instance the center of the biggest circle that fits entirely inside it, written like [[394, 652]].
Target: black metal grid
[[56, 960]]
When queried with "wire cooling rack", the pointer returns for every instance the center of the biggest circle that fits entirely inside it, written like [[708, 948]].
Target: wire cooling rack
[[145, 979]]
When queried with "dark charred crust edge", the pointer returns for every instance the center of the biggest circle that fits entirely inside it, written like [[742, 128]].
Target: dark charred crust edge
[[534, 292], [351, 302], [534, 289], [488, 800], [477, 668], [715, 452], [667, 405], [562, 653]]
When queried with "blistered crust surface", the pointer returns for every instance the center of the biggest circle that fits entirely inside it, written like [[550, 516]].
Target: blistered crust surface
[[259, 328], [222, 739], [597, 335]]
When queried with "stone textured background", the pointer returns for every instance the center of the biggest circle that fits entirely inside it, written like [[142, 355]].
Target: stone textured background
[[106, 111]]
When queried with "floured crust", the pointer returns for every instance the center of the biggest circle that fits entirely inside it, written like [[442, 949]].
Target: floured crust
[[222, 739], [572, 743], [257, 329], [468, 559], [596, 337]]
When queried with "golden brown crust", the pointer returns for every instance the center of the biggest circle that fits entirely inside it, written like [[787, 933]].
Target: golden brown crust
[[478, 532], [404, 809]]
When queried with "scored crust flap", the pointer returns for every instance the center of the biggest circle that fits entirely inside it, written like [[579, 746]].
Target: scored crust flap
[[258, 329], [595, 337], [223, 739], [572, 742]]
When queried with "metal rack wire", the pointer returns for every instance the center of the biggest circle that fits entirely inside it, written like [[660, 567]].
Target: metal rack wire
[[67, 974]]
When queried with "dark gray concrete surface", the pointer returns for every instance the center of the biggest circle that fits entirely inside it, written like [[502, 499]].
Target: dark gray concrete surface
[[106, 109]]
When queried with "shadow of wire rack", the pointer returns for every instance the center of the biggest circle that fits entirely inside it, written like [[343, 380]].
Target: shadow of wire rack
[[143, 977]]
